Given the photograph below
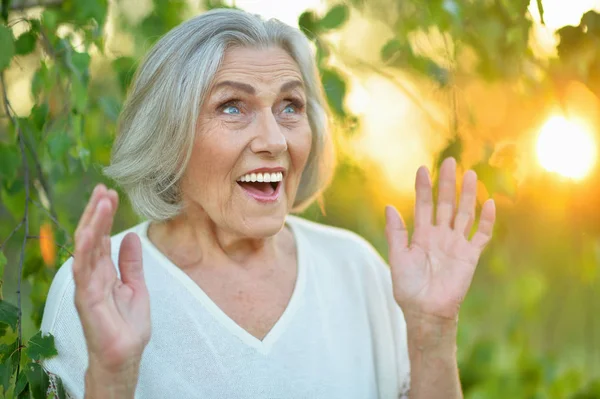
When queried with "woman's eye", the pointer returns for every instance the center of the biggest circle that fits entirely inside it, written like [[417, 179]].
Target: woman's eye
[[293, 107], [231, 110]]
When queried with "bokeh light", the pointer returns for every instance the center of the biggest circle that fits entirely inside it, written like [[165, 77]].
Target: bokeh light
[[566, 147]]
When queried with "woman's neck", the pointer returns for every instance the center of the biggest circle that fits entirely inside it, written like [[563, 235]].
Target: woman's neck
[[192, 242]]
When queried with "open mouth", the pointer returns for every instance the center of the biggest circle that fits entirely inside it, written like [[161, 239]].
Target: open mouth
[[262, 186]]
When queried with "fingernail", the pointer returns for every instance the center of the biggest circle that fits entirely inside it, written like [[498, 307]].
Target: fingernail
[[105, 201]]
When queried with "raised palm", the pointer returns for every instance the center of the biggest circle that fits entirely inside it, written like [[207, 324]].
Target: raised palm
[[432, 274], [114, 312]]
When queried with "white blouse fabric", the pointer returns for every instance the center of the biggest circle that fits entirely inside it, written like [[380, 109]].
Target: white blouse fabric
[[342, 335]]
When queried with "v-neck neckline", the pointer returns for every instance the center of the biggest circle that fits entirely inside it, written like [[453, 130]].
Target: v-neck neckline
[[263, 346]]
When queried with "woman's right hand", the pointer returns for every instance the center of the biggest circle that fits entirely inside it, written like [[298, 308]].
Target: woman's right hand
[[114, 312]]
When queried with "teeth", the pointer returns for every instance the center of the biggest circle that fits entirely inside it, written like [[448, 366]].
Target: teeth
[[262, 177]]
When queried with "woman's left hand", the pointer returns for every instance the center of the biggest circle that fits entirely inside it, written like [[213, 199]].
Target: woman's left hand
[[432, 274]]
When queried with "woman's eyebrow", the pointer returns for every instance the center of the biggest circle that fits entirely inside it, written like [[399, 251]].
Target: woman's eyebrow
[[288, 86], [237, 85]]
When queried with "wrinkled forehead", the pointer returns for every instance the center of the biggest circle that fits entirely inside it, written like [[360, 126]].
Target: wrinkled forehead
[[268, 68]]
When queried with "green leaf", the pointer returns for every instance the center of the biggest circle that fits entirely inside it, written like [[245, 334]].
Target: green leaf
[[40, 80], [496, 180], [395, 52], [12, 197], [9, 162], [591, 20], [454, 149], [335, 89], [308, 24], [25, 394], [86, 10], [4, 7], [125, 68], [335, 18], [21, 383], [5, 373], [38, 380], [50, 19], [39, 116], [79, 95], [41, 347], [2, 264], [25, 43], [9, 314], [7, 46], [58, 145], [81, 62], [8, 350]]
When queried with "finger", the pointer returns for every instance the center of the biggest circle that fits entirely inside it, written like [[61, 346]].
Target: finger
[[113, 196], [395, 232], [446, 192], [114, 201], [424, 200], [88, 212], [98, 226], [486, 225], [130, 261], [466, 207], [82, 258]]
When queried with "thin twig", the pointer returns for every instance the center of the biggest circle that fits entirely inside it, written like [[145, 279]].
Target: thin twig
[[10, 112], [41, 177], [61, 246], [17, 227], [393, 79], [53, 218]]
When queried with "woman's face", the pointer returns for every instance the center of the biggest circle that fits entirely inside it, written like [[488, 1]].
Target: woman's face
[[252, 143]]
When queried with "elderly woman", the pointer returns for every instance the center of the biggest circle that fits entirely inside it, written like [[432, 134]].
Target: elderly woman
[[221, 293]]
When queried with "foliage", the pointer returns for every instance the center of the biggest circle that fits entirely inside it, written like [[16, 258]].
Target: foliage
[[50, 158]]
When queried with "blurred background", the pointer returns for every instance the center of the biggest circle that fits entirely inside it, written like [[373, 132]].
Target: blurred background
[[510, 88]]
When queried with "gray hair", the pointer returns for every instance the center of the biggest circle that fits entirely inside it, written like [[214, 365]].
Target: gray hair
[[157, 125]]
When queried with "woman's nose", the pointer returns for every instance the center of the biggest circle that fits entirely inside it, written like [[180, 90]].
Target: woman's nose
[[268, 137]]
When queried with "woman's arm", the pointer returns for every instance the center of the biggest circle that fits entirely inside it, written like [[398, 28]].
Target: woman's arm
[[432, 354], [101, 383], [432, 275], [114, 310]]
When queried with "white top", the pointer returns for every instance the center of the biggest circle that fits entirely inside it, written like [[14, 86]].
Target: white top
[[342, 334]]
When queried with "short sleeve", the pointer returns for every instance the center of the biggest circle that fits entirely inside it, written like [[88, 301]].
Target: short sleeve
[[389, 327]]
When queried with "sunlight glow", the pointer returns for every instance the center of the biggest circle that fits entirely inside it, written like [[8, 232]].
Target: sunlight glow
[[558, 13], [285, 11], [566, 147]]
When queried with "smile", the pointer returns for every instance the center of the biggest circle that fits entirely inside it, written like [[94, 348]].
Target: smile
[[262, 186]]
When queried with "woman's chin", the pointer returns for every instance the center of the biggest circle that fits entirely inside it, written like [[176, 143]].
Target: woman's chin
[[263, 226]]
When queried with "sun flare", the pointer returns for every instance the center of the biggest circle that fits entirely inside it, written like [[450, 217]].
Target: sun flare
[[566, 147]]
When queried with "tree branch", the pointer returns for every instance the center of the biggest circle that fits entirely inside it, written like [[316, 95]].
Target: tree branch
[[357, 62], [41, 177], [17, 227], [21, 139], [20, 5], [57, 244]]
